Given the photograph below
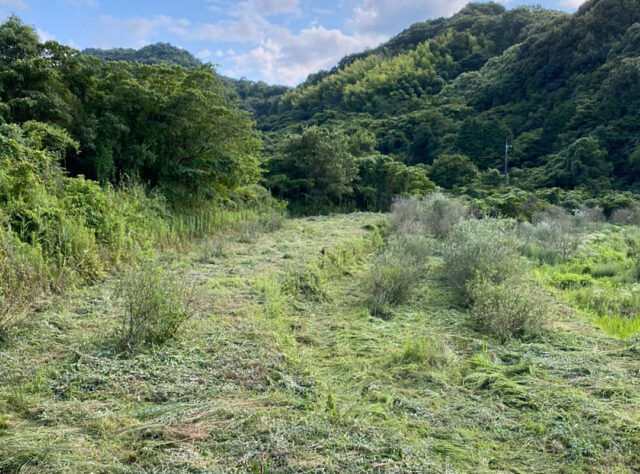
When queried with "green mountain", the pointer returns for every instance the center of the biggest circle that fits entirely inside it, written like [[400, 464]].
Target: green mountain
[[159, 53], [562, 89]]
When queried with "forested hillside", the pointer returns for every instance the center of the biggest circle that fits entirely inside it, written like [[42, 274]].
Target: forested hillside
[[158, 53], [447, 94]]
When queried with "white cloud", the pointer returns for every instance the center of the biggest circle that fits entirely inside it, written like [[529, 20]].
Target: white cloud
[[389, 18], [16, 4], [571, 3], [44, 35], [137, 32], [291, 58], [271, 50], [204, 54], [273, 7]]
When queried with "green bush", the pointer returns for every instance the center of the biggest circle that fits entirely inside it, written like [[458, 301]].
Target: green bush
[[486, 247], [557, 230], [417, 248], [606, 270], [514, 308], [571, 280], [439, 214], [391, 282], [154, 306]]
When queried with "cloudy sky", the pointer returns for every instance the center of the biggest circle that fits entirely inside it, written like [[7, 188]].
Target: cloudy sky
[[278, 41]]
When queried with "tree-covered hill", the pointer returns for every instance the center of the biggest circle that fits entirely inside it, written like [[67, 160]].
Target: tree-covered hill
[[562, 89], [158, 53]]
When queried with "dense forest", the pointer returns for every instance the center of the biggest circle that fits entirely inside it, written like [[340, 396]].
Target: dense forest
[[438, 102]]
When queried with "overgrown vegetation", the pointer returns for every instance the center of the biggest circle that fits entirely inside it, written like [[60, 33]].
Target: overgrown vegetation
[[154, 306]]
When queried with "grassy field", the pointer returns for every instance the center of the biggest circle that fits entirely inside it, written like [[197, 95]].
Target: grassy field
[[284, 369]]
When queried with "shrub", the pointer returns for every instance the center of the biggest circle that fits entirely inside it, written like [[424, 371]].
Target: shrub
[[439, 214], [555, 229], [391, 282], [404, 218], [213, 248], [154, 306], [627, 216], [542, 255], [513, 308], [436, 215], [480, 247], [571, 280], [416, 248], [606, 270]]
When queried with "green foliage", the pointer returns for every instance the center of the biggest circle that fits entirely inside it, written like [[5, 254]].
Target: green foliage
[[154, 306], [429, 352], [484, 248], [450, 171], [559, 88], [315, 168], [436, 215], [158, 53], [583, 163], [172, 128], [308, 282], [571, 280], [381, 178], [516, 307], [391, 282], [555, 230]]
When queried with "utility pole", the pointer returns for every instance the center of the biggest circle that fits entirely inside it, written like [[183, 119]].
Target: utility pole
[[507, 147]]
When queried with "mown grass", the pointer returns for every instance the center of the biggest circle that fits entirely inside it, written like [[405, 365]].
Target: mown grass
[[274, 379]]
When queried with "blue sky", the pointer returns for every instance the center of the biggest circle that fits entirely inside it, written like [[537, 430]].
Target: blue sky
[[278, 41]]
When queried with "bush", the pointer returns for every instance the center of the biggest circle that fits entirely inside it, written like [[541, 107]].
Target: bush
[[627, 216], [513, 308], [439, 214], [213, 248], [391, 281], [436, 215], [541, 255], [416, 248], [557, 230], [607, 270], [571, 280], [404, 218], [480, 247], [154, 306]]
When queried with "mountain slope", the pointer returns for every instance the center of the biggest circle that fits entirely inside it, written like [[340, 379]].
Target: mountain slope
[[561, 87], [158, 53]]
